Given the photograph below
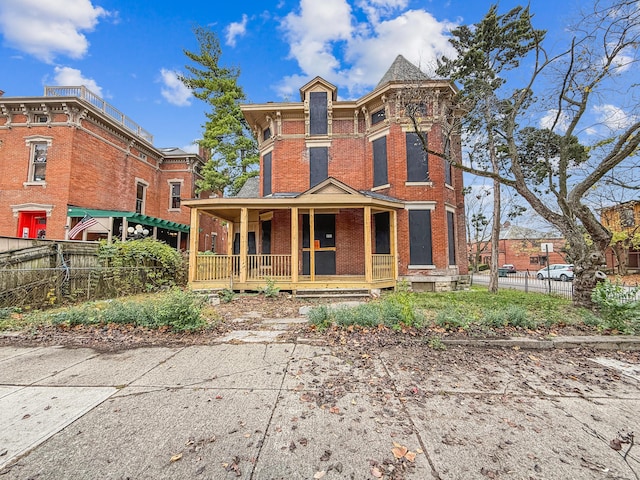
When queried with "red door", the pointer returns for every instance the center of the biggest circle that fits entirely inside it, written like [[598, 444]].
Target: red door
[[32, 224]]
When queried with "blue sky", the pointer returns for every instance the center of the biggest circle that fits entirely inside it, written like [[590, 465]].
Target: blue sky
[[128, 52]]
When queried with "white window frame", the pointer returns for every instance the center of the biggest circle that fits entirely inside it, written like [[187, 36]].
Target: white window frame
[[145, 186], [32, 142], [172, 182]]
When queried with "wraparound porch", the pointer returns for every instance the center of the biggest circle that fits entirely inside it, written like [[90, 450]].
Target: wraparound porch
[[330, 237]]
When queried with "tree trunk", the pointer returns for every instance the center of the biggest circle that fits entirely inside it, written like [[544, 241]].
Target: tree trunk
[[495, 239]]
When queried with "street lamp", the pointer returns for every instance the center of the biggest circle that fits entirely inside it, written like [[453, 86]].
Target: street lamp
[[138, 232]]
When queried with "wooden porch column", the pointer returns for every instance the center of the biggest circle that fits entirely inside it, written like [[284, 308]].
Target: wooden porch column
[[393, 240], [193, 244], [312, 244], [368, 257], [244, 243], [230, 238], [294, 246], [110, 233]]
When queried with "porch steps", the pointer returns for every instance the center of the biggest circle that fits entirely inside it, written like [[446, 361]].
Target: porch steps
[[333, 293]]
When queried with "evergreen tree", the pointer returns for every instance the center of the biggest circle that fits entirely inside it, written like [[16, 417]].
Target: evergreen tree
[[227, 137]]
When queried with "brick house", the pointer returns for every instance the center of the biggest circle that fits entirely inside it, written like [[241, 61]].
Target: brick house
[[624, 221], [346, 196], [69, 155]]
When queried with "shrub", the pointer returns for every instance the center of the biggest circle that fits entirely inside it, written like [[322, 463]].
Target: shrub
[[451, 320], [226, 295], [270, 290], [177, 309], [618, 306], [394, 311]]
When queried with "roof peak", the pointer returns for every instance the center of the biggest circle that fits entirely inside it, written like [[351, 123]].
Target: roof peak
[[402, 70]]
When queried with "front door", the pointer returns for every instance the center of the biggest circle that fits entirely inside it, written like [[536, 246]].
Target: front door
[[32, 224], [324, 244]]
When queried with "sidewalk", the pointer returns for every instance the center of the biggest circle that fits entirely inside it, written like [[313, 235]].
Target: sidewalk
[[300, 411]]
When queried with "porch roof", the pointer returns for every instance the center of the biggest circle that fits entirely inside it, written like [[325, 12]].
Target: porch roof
[[329, 194], [130, 216]]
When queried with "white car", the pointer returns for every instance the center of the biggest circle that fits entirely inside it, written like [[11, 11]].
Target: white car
[[558, 271]]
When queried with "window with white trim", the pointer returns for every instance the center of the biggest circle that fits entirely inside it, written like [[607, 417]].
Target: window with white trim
[[175, 195], [141, 194], [38, 155]]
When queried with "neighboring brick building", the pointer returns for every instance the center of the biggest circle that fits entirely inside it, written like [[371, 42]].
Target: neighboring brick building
[[623, 221], [525, 248], [346, 196], [69, 155]]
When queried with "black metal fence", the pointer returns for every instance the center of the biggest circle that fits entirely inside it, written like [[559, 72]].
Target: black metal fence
[[527, 282]]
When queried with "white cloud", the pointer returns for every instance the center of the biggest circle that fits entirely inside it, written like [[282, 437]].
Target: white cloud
[[72, 77], [562, 123], [49, 28], [368, 46], [191, 148], [173, 90], [236, 29], [614, 117]]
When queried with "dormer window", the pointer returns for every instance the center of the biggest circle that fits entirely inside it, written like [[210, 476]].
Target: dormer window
[[378, 116], [318, 113]]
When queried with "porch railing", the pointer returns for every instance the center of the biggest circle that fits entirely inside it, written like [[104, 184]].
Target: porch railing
[[268, 266], [278, 267], [217, 267], [382, 267]]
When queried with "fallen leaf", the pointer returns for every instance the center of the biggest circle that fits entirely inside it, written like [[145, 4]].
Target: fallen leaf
[[325, 456], [175, 458], [334, 410], [616, 444], [399, 451], [319, 474], [26, 415], [376, 473], [410, 456]]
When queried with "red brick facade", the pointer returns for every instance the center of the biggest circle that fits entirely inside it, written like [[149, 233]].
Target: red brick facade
[[349, 139], [94, 162]]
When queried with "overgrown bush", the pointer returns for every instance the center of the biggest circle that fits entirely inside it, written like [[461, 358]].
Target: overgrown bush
[[226, 295], [140, 265], [176, 309], [618, 306]]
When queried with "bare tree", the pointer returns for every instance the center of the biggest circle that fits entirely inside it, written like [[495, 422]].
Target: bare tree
[[547, 165]]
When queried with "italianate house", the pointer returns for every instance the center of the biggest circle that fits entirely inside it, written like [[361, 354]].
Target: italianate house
[[346, 198], [74, 167]]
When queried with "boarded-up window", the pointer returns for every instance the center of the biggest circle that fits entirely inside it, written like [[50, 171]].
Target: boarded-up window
[[451, 237], [318, 165], [251, 243], [318, 113], [380, 162], [417, 160], [382, 233], [266, 174], [448, 169], [420, 237]]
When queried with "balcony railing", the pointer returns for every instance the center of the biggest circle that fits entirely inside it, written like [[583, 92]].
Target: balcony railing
[[87, 95]]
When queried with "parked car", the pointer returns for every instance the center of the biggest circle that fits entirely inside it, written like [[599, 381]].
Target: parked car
[[558, 271], [509, 268]]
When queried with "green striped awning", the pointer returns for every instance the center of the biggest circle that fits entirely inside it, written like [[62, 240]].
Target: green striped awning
[[131, 217]]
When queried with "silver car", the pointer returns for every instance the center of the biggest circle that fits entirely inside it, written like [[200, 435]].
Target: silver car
[[557, 271]]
